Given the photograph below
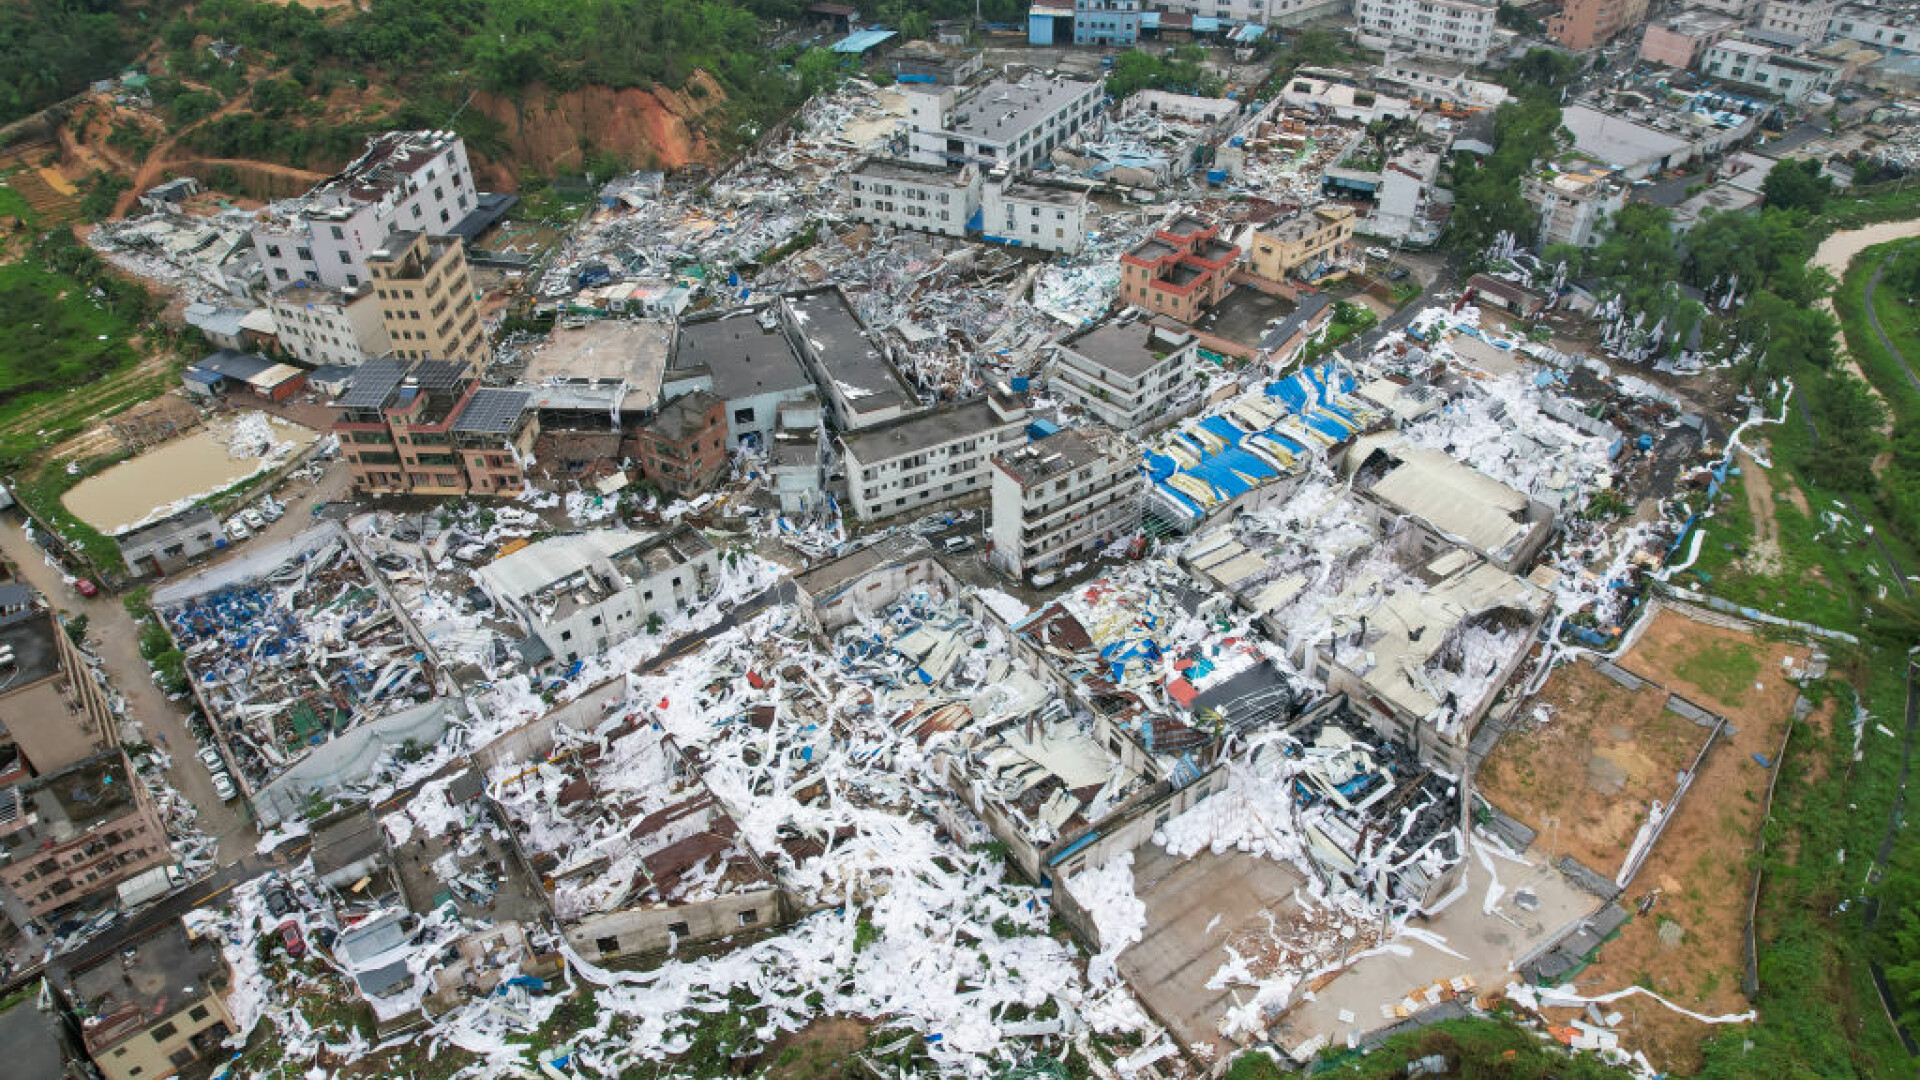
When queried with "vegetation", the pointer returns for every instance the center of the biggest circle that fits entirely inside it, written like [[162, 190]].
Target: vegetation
[[1477, 1047], [1181, 70], [54, 49], [1487, 192], [1797, 184]]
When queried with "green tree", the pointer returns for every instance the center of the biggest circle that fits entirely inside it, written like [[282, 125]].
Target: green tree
[[818, 69], [1849, 417], [1797, 184]]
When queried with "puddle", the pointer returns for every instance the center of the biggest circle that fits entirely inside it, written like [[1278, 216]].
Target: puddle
[[167, 477]]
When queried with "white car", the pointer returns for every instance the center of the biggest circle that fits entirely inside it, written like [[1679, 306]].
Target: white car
[[253, 519], [237, 529], [270, 509], [223, 787], [211, 759], [1379, 253]]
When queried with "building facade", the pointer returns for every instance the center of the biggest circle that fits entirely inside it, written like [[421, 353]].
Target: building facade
[[1307, 239], [427, 300], [1890, 31], [1574, 208], [1106, 22], [907, 195], [1680, 41], [429, 428], [152, 1006], [1059, 497], [1805, 20], [410, 180], [580, 593], [1758, 67], [77, 832], [1043, 216], [1002, 122], [1587, 24], [683, 449], [1179, 271], [322, 326], [1444, 29], [1124, 373], [932, 458]]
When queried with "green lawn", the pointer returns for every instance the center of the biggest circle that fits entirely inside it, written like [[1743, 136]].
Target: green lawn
[[14, 204]]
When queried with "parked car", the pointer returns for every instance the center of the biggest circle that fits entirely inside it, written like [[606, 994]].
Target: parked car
[[253, 519], [954, 545], [210, 757], [279, 901], [1379, 253], [237, 529], [290, 937], [86, 588], [1398, 273], [223, 787], [271, 510]]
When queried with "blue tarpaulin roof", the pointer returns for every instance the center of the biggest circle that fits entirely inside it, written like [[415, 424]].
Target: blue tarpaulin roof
[[861, 40]]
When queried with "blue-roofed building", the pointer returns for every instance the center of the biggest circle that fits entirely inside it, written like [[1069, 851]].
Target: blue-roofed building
[[862, 42]]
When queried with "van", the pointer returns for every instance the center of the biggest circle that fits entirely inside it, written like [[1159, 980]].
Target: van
[[955, 545]]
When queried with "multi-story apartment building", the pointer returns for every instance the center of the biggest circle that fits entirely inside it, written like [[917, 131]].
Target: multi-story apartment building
[[1179, 271], [1889, 29], [1574, 208], [52, 713], [1045, 216], [744, 359], [426, 299], [1125, 372], [1587, 24], [928, 459], [1803, 21], [581, 592], [1304, 239], [1106, 22], [1263, 12], [1002, 122], [428, 428], [1447, 29], [77, 832], [1680, 41], [322, 326], [416, 180], [857, 380], [682, 450], [1063, 495], [909, 195], [150, 1005], [1758, 67]]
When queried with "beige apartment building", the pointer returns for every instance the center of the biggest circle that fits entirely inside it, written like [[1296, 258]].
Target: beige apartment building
[[151, 1006], [1302, 240], [426, 299], [76, 832], [52, 713]]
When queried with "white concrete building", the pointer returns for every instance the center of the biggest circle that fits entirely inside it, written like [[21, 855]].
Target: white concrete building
[[1001, 122], [1264, 12], [1045, 216], [411, 180], [1438, 82], [1125, 372], [1574, 208], [1790, 78], [1889, 30], [581, 592], [1348, 103], [1805, 20], [1460, 30], [908, 195], [928, 459], [1058, 497], [1400, 210], [744, 358], [322, 326]]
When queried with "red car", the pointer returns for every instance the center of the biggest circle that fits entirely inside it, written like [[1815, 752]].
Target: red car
[[290, 937], [86, 588]]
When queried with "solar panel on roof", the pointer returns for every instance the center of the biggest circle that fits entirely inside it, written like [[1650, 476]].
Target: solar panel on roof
[[438, 375], [492, 411], [373, 383]]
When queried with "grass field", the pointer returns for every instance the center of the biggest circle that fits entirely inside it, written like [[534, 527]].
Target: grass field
[[57, 336]]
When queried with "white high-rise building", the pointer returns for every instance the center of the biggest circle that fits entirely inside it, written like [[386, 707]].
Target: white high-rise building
[[1448, 29]]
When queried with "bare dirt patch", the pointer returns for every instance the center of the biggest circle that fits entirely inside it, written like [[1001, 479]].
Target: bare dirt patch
[[1764, 558], [823, 1050], [1585, 778], [1688, 945]]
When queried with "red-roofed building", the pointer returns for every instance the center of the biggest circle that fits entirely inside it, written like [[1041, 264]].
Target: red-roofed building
[[1179, 271]]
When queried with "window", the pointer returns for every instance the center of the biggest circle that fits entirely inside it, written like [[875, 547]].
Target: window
[[337, 234], [346, 258], [607, 944], [181, 1056], [165, 1031], [743, 416], [566, 635], [678, 929], [198, 1014], [748, 918]]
